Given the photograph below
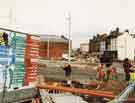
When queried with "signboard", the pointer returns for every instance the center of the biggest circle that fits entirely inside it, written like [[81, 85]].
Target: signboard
[[18, 53], [12, 59]]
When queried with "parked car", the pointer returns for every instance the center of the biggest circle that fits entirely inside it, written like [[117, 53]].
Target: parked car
[[127, 95], [65, 57]]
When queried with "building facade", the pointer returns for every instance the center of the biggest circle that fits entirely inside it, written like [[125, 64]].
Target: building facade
[[97, 45], [84, 48], [94, 45], [117, 44], [53, 47], [125, 46], [121, 46], [103, 38]]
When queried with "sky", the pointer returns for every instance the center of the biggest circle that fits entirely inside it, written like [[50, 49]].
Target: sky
[[88, 17]]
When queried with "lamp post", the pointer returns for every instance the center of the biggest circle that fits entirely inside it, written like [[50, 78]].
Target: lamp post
[[68, 18], [48, 47]]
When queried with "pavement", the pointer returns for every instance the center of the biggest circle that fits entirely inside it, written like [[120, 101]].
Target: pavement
[[80, 72]]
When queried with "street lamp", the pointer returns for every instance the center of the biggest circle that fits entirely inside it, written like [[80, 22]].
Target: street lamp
[[48, 47], [68, 18]]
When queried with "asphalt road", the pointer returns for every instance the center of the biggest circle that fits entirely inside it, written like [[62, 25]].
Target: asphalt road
[[80, 72]]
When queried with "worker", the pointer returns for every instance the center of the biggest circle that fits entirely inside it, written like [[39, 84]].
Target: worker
[[108, 71], [113, 73], [100, 72], [127, 65]]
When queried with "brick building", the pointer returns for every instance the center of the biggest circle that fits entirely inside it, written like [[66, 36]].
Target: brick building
[[94, 44], [53, 47]]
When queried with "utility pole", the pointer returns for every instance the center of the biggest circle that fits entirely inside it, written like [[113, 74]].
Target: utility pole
[[48, 47], [68, 18], [125, 47]]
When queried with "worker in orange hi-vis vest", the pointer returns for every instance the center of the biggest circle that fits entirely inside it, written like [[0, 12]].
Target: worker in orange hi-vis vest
[[100, 72], [111, 72], [114, 75]]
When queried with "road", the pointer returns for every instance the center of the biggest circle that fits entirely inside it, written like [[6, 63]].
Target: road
[[80, 72]]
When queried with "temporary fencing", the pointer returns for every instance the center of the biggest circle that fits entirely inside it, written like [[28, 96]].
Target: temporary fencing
[[19, 55], [32, 57]]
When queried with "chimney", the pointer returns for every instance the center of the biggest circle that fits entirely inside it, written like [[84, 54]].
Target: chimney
[[117, 29]]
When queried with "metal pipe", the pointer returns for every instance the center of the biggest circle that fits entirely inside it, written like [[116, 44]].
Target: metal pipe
[[79, 91]]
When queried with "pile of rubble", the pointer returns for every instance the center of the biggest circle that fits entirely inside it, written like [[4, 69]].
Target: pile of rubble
[[114, 86]]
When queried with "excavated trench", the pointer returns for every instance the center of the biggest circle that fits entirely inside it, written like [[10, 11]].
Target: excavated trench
[[83, 78], [117, 87]]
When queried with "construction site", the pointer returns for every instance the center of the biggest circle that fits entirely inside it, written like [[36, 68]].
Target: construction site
[[67, 51], [27, 77]]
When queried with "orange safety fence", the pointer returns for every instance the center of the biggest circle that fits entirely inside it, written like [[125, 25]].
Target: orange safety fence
[[33, 44], [33, 41], [32, 52]]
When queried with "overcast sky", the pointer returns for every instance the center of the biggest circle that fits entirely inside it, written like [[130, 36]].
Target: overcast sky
[[49, 16]]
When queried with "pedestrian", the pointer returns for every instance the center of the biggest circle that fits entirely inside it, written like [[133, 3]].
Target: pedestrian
[[127, 65], [67, 69]]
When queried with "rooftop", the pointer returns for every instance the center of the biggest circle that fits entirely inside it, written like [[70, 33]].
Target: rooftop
[[53, 38]]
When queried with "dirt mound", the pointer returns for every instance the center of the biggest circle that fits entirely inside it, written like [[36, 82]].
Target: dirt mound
[[114, 86]]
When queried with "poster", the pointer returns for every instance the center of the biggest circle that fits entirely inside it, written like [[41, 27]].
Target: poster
[[12, 51]]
